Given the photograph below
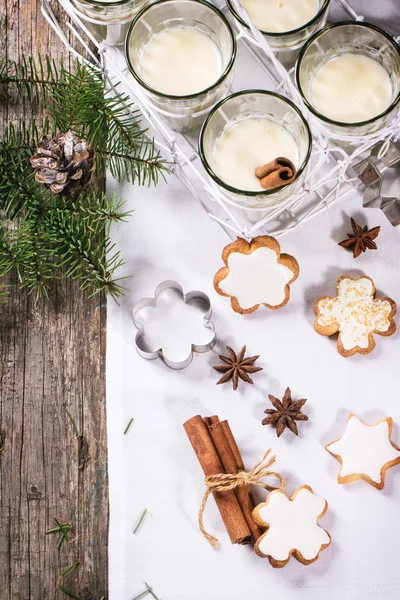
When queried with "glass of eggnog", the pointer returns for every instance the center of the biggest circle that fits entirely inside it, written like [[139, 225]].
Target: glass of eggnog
[[108, 20], [285, 24], [245, 131], [349, 77], [182, 53]]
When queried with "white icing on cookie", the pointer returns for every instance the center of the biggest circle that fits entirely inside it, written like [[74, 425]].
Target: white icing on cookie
[[256, 278], [293, 525], [355, 311], [364, 449]]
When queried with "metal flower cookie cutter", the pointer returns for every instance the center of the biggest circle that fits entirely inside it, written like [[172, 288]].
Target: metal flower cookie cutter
[[162, 323]]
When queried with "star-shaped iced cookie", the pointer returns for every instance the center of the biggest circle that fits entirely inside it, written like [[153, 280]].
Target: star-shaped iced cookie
[[365, 451], [292, 527]]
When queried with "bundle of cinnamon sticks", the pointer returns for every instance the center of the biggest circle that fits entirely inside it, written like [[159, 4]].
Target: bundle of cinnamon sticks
[[218, 452]]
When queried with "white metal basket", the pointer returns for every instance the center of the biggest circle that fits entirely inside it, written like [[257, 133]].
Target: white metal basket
[[329, 177]]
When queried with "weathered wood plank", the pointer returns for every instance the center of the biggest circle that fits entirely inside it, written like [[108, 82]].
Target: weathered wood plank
[[52, 356]]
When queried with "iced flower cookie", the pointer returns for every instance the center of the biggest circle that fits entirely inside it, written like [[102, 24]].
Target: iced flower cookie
[[292, 527], [365, 451], [356, 314], [256, 273]]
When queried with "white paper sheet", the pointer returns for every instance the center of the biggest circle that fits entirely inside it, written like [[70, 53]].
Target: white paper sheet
[[153, 466]]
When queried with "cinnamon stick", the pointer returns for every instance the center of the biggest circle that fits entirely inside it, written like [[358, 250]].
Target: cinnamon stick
[[276, 173], [232, 443], [238, 458], [232, 461], [227, 502], [211, 420]]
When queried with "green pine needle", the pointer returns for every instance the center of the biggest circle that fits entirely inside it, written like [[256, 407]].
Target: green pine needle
[[142, 595], [55, 530], [140, 521], [68, 569], [128, 426], [63, 529], [150, 591], [72, 594], [67, 592]]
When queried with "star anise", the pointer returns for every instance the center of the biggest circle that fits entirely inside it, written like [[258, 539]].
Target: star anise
[[236, 366], [361, 239], [285, 413]]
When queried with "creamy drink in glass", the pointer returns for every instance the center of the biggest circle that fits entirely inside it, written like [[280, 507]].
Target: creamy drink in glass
[[348, 75], [285, 24], [182, 52], [281, 16], [245, 131], [249, 144], [351, 88], [168, 59]]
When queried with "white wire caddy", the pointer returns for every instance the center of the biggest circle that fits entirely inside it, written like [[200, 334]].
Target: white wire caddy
[[329, 177]]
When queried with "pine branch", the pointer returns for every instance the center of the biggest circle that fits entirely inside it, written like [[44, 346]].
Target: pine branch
[[23, 250], [17, 185], [10, 248], [84, 252], [123, 120], [75, 102], [18, 189], [4, 292], [110, 124], [148, 165], [43, 234], [40, 268], [30, 80], [129, 150], [35, 252], [79, 102], [24, 136], [111, 209], [92, 207]]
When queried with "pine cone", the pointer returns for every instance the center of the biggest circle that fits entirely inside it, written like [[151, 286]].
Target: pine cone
[[63, 163]]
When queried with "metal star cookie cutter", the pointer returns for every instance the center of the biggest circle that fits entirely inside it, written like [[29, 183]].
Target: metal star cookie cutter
[[159, 353], [371, 173]]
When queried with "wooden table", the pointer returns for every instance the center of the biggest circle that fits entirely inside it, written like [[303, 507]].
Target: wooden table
[[52, 369]]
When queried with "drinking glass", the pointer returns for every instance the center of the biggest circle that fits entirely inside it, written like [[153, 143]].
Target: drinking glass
[[182, 113], [258, 104], [356, 38], [108, 20], [286, 45]]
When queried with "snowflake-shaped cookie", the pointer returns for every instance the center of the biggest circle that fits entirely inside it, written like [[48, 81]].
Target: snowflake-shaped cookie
[[256, 273], [365, 451], [356, 314], [292, 527]]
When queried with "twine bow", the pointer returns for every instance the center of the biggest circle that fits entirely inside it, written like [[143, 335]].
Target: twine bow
[[225, 482]]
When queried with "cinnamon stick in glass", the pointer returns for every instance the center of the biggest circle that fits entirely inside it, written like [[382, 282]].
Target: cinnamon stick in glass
[[276, 173], [227, 502], [232, 461]]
